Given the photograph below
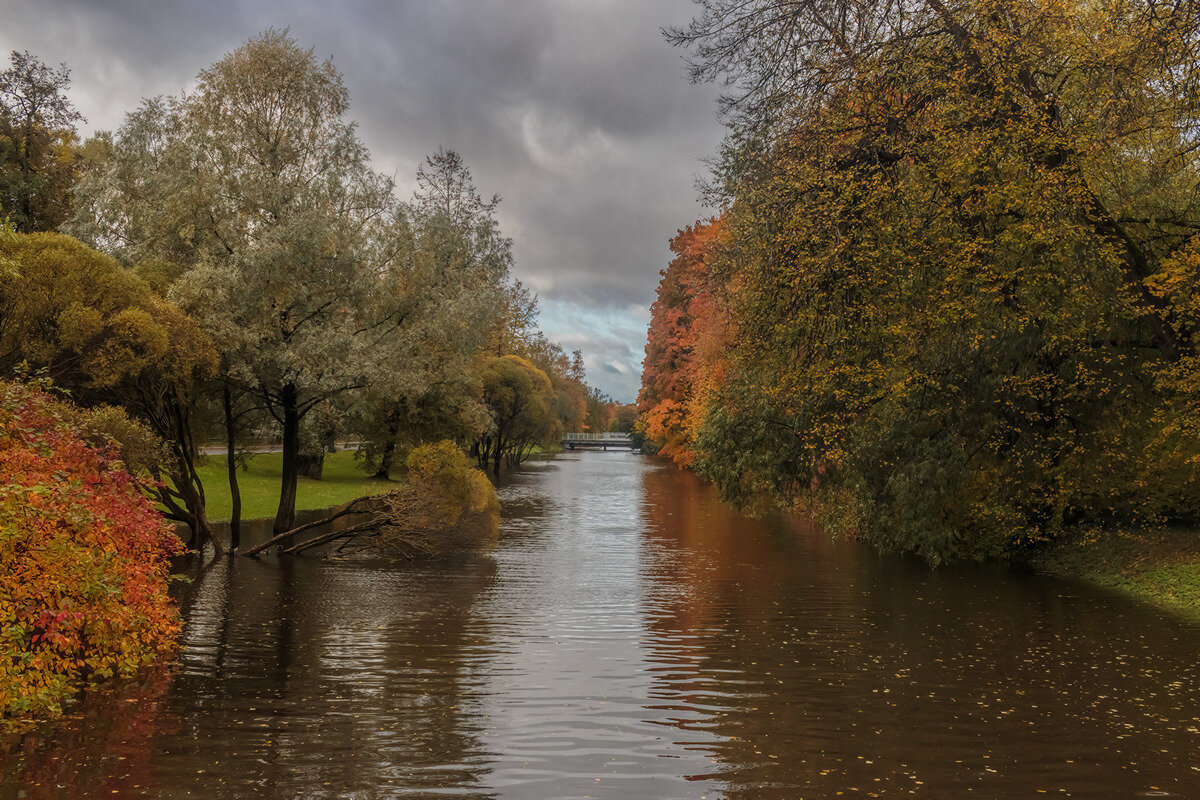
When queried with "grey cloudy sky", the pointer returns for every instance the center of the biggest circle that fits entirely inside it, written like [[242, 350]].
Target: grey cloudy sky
[[575, 111]]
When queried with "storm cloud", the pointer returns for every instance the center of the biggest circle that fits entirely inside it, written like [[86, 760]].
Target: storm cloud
[[575, 111]]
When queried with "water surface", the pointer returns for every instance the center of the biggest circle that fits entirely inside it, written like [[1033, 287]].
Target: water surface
[[633, 638]]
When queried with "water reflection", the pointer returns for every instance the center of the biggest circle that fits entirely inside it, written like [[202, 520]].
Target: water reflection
[[823, 669], [344, 679], [309, 678], [633, 638], [104, 749]]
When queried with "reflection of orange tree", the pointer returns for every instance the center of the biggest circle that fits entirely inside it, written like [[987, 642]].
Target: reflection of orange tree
[[720, 589], [62, 762], [83, 561], [806, 666]]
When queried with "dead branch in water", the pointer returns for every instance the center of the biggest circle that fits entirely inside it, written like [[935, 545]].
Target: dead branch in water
[[409, 521], [353, 507]]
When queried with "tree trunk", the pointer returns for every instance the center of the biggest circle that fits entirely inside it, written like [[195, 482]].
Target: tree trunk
[[389, 448], [235, 492], [385, 461], [496, 457], [187, 479], [197, 521], [286, 516], [312, 464]]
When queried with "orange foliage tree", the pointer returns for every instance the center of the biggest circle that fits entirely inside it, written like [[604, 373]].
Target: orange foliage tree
[[684, 345], [959, 262], [83, 561]]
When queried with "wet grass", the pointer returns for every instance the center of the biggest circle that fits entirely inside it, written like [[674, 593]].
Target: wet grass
[[341, 482], [1160, 566]]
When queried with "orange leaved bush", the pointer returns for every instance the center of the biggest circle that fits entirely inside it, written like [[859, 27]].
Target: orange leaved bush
[[83, 561], [685, 358]]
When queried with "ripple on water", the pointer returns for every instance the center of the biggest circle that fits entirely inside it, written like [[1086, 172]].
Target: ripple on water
[[632, 638]]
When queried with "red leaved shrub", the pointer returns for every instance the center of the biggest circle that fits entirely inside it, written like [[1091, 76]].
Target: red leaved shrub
[[83, 561]]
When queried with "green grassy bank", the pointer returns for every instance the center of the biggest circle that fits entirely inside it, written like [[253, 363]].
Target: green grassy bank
[[342, 481], [1161, 567]]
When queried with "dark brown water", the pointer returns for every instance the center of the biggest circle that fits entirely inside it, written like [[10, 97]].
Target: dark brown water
[[631, 638]]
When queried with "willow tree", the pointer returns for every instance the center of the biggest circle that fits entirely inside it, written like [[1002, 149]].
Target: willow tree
[[948, 229], [39, 158], [446, 286], [260, 192]]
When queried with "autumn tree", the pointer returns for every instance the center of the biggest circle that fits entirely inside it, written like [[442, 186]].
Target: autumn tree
[[515, 328], [624, 418], [39, 159], [684, 345], [518, 398], [517, 333], [949, 237], [259, 189]]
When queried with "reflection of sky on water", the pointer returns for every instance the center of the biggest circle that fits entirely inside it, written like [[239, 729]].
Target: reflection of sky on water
[[633, 638], [567, 700]]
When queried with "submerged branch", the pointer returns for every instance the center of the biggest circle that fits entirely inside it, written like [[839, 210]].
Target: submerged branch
[[353, 507]]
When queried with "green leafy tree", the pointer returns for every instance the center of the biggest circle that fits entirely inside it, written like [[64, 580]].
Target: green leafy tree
[[445, 289], [261, 190], [39, 158], [947, 229], [519, 399]]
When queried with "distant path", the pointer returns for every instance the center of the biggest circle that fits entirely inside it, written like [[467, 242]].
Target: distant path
[[219, 449]]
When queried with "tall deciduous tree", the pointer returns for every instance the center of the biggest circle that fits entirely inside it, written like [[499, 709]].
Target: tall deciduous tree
[[447, 287], [261, 190], [956, 238], [38, 149], [684, 345]]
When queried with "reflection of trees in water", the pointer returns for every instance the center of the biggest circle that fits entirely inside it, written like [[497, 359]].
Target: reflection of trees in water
[[524, 503], [102, 749], [379, 656], [312, 678], [817, 667], [712, 595]]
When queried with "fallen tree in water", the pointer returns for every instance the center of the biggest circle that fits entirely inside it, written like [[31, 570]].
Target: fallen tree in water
[[444, 505]]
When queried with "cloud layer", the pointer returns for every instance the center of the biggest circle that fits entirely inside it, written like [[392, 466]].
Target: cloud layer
[[575, 111]]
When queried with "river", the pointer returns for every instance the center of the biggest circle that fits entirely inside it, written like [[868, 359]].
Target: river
[[632, 638]]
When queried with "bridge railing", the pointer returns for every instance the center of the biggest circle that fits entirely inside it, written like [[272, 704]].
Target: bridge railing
[[607, 436]]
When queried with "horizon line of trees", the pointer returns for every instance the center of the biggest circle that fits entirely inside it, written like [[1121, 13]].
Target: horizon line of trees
[[951, 299], [228, 266]]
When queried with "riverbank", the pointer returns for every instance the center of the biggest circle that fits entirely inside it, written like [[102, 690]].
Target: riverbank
[[342, 481], [1161, 567]]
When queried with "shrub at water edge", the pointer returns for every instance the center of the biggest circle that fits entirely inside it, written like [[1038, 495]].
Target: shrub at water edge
[[83, 561]]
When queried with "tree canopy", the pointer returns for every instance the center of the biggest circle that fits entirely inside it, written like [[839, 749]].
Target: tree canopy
[[518, 397], [39, 153], [953, 260]]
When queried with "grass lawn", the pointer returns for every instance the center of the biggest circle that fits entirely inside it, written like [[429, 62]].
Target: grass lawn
[[259, 482], [1162, 567]]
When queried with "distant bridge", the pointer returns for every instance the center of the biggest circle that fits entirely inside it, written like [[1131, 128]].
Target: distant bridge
[[570, 441]]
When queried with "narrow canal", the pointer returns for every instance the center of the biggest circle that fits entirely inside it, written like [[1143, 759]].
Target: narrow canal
[[632, 638]]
